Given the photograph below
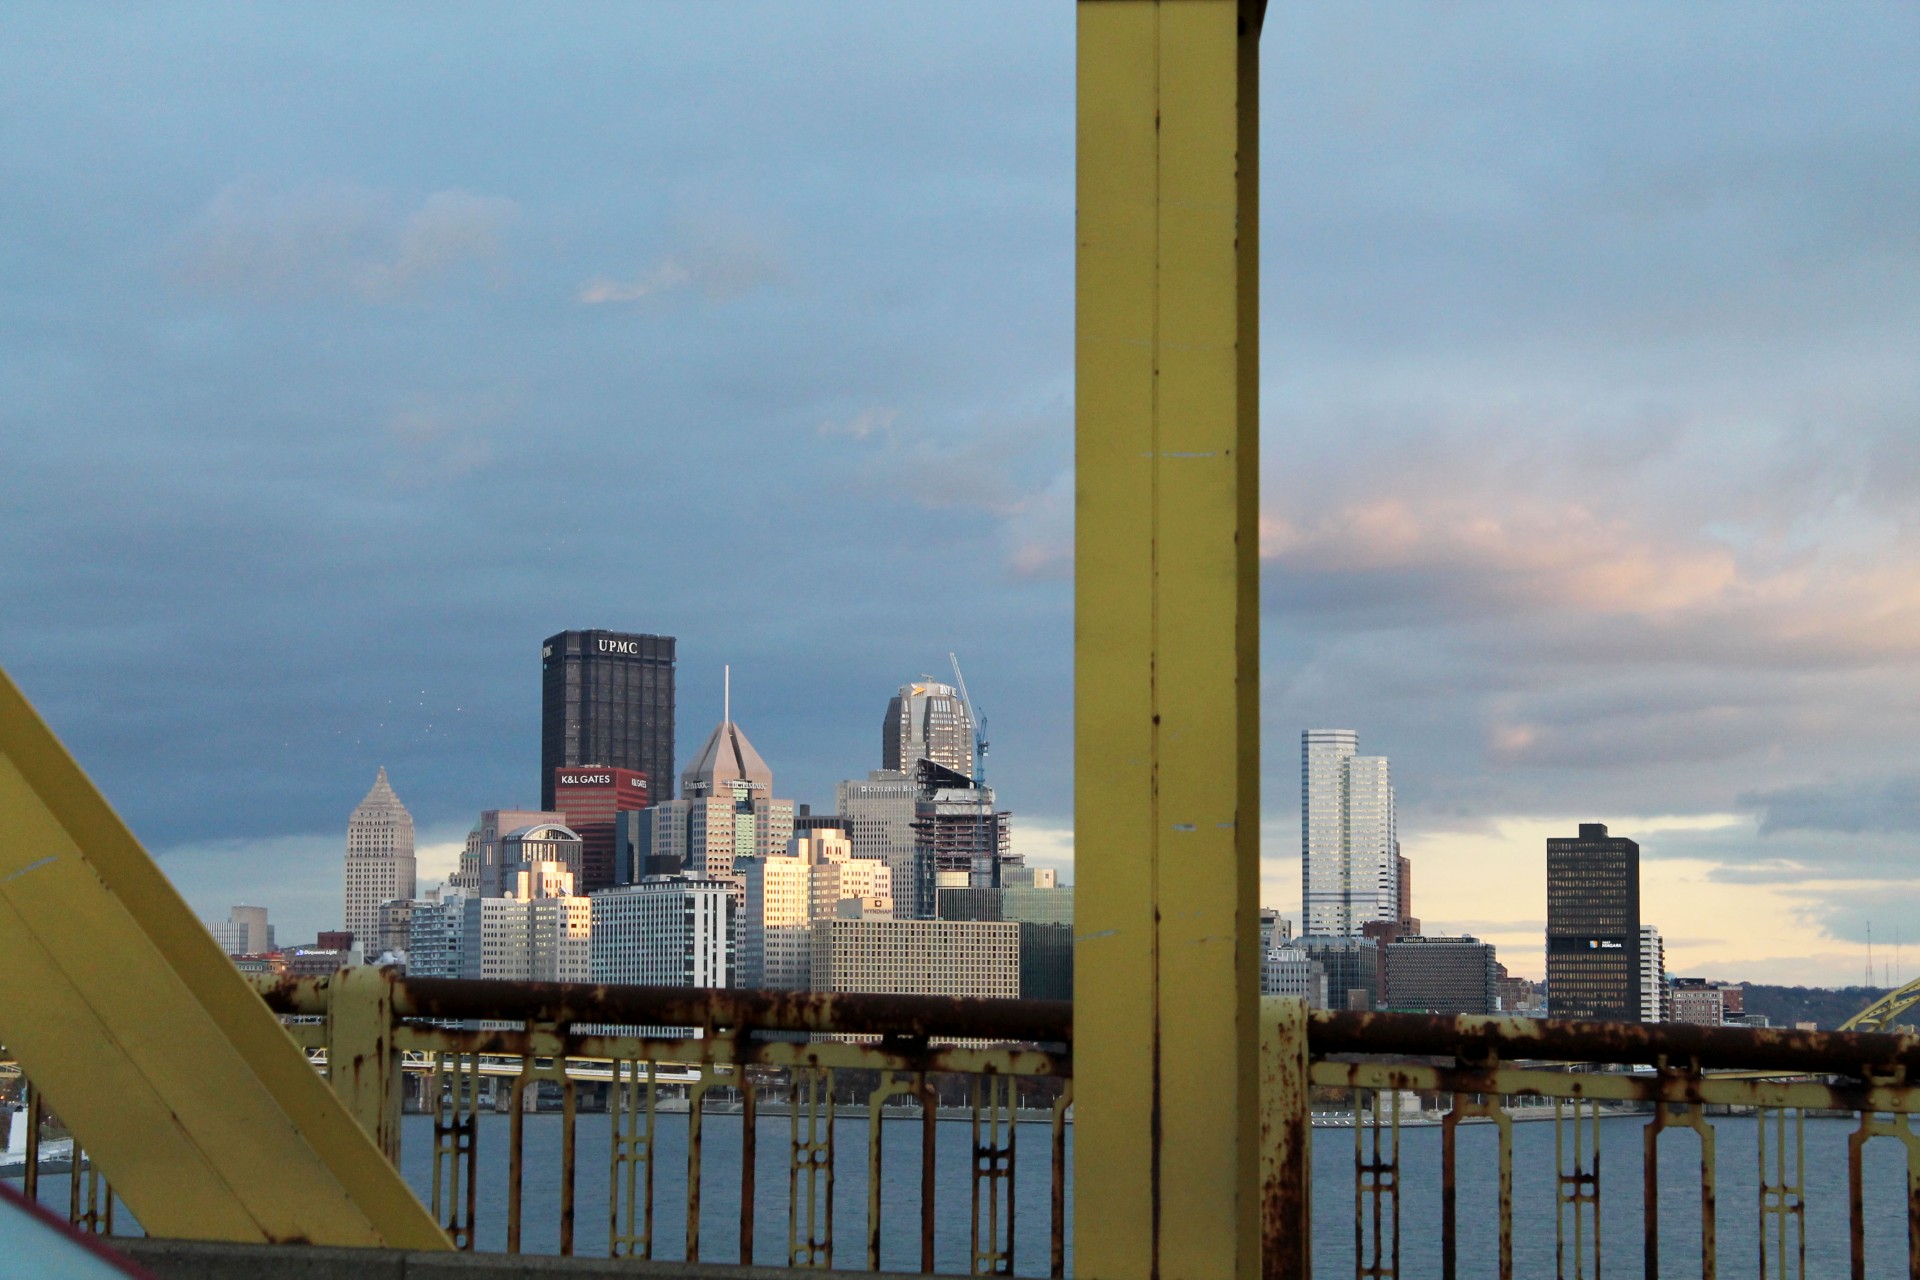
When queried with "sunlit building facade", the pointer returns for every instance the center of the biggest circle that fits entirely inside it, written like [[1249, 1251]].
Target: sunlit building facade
[[380, 860], [1349, 841]]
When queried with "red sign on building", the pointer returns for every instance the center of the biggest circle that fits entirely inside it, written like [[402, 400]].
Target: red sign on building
[[591, 796]]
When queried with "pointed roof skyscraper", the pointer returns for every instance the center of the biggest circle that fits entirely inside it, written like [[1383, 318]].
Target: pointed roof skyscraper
[[381, 797], [380, 858], [727, 757]]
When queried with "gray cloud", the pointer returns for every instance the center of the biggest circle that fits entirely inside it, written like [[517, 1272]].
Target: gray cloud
[[255, 240], [1590, 451], [1885, 804], [719, 256]]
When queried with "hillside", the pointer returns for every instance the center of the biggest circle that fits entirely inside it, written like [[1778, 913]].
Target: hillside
[[1827, 1006]]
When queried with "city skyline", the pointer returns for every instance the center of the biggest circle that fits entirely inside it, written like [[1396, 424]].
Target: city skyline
[[1590, 489]]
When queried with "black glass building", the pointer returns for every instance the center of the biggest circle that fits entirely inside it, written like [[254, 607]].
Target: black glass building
[[606, 698], [1593, 926]]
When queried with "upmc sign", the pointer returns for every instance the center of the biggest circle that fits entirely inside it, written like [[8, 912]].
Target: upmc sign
[[628, 647]]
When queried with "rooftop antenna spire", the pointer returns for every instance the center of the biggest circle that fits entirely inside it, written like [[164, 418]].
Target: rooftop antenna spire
[[1869, 953], [726, 694]]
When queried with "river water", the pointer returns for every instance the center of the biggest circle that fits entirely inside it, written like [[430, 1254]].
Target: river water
[[1534, 1195]]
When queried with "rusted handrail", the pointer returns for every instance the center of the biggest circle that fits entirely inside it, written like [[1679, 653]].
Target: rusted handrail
[[1471, 1037], [565, 1003]]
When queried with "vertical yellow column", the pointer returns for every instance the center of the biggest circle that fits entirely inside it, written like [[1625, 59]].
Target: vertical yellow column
[[1167, 804]]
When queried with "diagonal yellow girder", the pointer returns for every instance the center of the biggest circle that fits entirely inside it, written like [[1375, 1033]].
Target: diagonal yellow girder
[[173, 1075]]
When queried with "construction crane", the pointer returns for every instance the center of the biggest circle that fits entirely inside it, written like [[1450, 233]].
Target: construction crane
[[979, 723]]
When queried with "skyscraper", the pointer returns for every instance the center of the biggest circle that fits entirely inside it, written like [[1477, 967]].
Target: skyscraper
[[1593, 926], [380, 862], [927, 720], [665, 931], [879, 814], [726, 809], [1349, 841], [606, 698], [1656, 996]]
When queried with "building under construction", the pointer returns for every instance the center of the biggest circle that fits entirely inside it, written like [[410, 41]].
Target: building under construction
[[960, 841]]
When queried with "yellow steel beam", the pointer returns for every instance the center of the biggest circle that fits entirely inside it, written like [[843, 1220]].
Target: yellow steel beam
[[172, 1073], [1166, 806]]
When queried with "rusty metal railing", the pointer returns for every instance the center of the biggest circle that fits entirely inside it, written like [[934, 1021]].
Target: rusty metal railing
[[1464, 1204], [452, 1050], [1382, 1074]]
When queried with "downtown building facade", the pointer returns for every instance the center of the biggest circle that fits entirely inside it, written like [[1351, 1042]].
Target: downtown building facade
[[1441, 975], [380, 857], [245, 932], [1291, 971], [1349, 842], [1593, 926], [786, 893], [665, 931], [1352, 967], [1033, 898], [917, 957], [592, 801], [606, 700], [1656, 995], [879, 811], [538, 930], [485, 863]]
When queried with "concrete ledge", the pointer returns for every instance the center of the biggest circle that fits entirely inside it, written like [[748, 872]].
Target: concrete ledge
[[213, 1260]]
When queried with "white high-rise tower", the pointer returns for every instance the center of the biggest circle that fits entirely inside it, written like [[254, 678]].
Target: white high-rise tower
[[1349, 841], [380, 863]]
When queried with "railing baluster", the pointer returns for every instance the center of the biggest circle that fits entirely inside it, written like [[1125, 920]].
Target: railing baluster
[[91, 1210], [36, 1117], [1058, 1264], [1578, 1186], [993, 1172], [749, 1159], [515, 1132], [1781, 1198], [929, 1144], [631, 1112], [1470, 1105], [810, 1169], [1376, 1180], [696, 1099], [1898, 1125], [893, 1084], [455, 1135], [1692, 1115], [568, 1134]]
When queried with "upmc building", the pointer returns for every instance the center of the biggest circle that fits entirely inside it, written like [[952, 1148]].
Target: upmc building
[[606, 699], [593, 799]]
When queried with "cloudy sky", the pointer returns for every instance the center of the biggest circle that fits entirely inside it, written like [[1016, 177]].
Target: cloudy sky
[[345, 353]]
